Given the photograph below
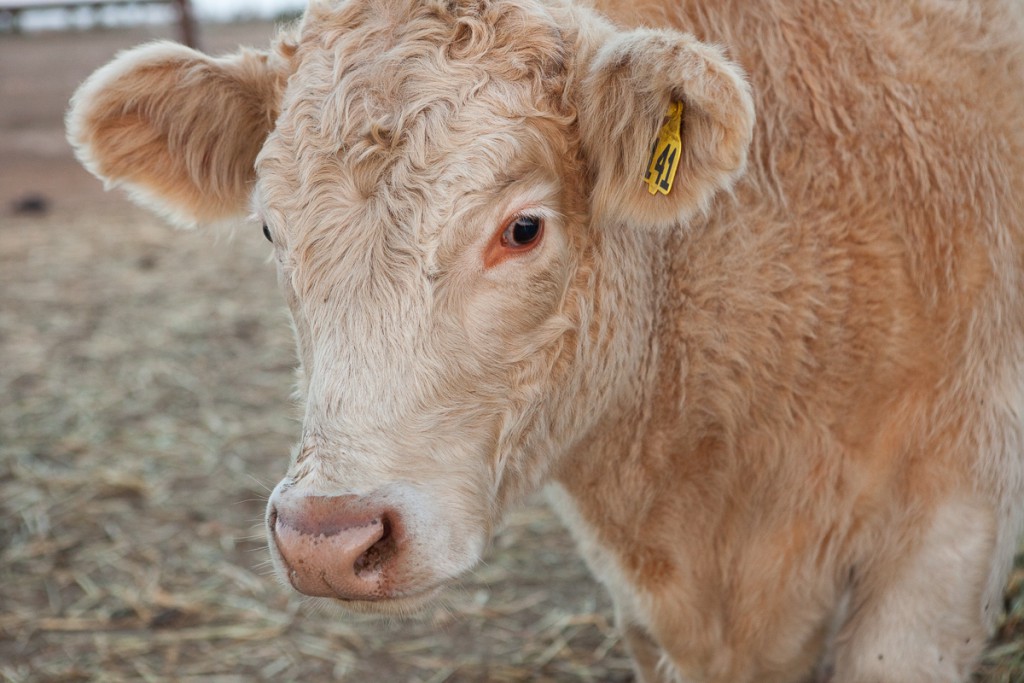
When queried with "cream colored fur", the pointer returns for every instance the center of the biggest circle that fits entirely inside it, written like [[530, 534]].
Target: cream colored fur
[[782, 408]]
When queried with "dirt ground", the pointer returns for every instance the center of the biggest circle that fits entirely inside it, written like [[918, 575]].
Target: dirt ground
[[145, 413]]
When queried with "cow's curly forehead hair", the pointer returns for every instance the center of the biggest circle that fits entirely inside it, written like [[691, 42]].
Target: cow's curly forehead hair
[[386, 80]]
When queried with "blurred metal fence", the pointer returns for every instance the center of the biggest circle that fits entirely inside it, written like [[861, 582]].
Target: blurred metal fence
[[11, 12]]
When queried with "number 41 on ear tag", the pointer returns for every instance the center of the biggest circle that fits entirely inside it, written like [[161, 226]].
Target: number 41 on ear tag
[[666, 152]]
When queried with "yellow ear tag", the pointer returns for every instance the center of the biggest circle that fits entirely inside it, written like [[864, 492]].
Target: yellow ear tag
[[666, 152]]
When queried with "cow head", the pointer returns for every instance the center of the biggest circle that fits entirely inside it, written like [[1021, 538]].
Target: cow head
[[451, 189]]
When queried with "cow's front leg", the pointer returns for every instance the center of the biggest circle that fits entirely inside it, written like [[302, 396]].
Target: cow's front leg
[[649, 663], [920, 616], [645, 653]]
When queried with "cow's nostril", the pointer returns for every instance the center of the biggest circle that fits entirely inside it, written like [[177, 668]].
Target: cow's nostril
[[372, 561]]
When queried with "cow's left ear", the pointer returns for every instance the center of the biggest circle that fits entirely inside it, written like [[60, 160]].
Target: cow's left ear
[[662, 112]]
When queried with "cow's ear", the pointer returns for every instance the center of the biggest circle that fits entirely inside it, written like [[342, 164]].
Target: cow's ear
[[178, 129], [654, 103]]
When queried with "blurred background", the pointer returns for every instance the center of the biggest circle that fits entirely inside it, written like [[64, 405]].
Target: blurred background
[[41, 15], [145, 414]]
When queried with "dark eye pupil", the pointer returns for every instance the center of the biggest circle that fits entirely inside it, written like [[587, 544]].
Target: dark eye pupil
[[266, 233], [525, 230]]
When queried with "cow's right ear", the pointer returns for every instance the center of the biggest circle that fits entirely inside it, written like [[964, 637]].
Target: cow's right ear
[[666, 121], [178, 129]]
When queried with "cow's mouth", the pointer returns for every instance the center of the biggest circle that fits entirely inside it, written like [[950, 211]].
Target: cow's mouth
[[405, 604]]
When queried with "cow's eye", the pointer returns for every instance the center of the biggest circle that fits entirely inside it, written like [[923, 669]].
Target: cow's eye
[[266, 233], [522, 232]]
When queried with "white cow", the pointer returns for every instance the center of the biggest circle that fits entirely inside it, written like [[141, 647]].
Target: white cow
[[770, 366]]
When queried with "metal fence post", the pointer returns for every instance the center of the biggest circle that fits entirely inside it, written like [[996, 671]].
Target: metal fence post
[[187, 22]]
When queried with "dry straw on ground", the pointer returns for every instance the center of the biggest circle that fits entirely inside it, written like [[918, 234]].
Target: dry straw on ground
[[144, 412]]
